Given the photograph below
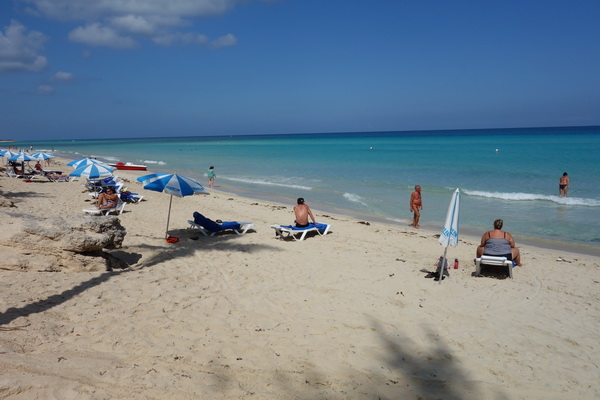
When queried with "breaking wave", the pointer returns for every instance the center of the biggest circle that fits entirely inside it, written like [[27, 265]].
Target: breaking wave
[[572, 201]]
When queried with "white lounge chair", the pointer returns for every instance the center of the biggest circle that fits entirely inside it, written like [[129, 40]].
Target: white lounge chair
[[210, 228], [492, 260], [300, 233], [13, 174], [59, 179], [117, 210]]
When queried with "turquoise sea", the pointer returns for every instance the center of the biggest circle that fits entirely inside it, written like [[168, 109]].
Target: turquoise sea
[[502, 173]]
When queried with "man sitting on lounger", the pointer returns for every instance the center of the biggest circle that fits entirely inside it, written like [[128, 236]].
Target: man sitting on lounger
[[302, 212]]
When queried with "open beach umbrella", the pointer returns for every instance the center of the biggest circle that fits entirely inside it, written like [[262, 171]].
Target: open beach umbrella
[[21, 157], [449, 236], [173, 184], [85, 161], [93, 171], [7, 153], [42, 156]]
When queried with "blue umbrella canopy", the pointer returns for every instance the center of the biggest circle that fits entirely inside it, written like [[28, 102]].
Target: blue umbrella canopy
[[7, 153], [93, 171], [85, 161], [173, 184], [42, 156], [21, 157]]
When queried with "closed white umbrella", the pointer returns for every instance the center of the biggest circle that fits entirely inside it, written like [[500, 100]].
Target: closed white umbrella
[[449, 236]]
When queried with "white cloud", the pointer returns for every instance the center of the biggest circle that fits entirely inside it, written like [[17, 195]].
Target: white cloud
[[97, 35], [115, 23], [175, 39], [224, 41], [19, 49], [44, 89], [178, 39], [134, 24], [62, 77], [96, 9]]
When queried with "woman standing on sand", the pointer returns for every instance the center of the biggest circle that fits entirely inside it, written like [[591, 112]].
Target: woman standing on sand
[[211, 176]]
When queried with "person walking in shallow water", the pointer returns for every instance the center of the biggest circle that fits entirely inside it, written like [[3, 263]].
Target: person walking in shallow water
[[211, 176], [563, 185], [416, 205]]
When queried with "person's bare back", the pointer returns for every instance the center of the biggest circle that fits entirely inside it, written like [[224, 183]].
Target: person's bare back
[[302, 212]]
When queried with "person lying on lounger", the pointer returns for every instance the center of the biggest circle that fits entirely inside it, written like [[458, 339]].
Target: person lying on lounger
[[302, 212], [108, 199]]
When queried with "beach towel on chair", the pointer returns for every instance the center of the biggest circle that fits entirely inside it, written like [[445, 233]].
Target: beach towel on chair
[[320, 227], [212, 226]]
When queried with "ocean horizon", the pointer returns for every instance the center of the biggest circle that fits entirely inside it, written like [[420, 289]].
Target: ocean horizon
[[502, 173]]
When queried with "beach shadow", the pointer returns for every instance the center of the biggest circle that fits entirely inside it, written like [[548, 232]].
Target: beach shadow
[[52, 301], [190, 244], [413, 371], [492, 271], [23, 195]]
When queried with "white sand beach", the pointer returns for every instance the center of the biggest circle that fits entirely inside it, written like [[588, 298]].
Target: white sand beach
[[349, 315]]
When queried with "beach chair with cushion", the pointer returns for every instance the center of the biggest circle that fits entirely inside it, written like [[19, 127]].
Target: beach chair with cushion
[[300, 233], [117, 210], [209, 227], [496, 261], [129, 197]]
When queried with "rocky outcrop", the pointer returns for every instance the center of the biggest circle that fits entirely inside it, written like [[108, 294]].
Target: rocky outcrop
[[57, 244]]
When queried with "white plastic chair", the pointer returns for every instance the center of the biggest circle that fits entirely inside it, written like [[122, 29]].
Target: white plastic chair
[[492, 260]]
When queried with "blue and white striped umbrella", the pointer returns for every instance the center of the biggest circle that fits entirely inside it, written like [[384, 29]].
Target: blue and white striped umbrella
[[173, 184], [93, 171], [86, 161], [42, 156], [21, 157], [7, 153]]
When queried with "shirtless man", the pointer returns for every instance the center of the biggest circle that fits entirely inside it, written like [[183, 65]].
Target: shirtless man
[[416, 205], [563, 185], [302, 212]]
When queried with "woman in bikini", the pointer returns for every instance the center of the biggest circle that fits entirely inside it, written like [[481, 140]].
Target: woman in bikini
[[108, 199], [499, 243]]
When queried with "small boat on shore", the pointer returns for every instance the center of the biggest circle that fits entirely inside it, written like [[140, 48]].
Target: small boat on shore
[[129, 166]]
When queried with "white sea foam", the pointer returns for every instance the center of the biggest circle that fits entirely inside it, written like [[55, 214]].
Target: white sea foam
[[573, 201], [253, 181], [355, 198], [154, 162]]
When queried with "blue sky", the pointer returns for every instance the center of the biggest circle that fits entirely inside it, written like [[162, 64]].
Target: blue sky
[[134, 68]]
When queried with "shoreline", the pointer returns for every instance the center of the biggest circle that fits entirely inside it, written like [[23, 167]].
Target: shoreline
[[470, 233], [348, 314]]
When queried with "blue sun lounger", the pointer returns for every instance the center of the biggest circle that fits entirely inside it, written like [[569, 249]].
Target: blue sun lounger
[[209, 227], [300, 233]]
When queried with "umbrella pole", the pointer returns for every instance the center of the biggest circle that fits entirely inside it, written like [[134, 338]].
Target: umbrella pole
[[168, 217], [443, 264]]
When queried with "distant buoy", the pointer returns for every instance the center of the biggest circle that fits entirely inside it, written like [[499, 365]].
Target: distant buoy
[[497, 150], [371, 148]]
